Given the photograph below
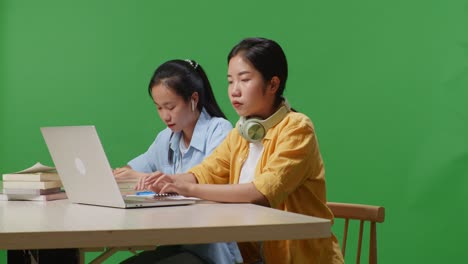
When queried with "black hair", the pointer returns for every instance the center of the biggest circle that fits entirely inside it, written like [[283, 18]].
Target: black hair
[[185, 77], [267, 57]]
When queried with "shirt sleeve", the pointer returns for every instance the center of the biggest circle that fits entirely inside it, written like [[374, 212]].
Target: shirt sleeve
[[216, 167], [147, 162], [217, 133], [295, 159]]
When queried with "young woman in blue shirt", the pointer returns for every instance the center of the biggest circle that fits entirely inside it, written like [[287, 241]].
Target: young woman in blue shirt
[[196, 125]]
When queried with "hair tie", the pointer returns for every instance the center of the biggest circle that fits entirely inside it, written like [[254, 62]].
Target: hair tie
[[192, 63]]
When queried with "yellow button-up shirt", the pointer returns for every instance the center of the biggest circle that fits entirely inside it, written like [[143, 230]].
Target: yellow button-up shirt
[[290, 174]]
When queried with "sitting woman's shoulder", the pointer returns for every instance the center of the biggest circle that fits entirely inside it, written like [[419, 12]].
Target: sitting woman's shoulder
[[220, 122], [298, 119]]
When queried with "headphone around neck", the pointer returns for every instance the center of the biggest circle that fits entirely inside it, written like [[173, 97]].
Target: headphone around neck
[[254, 129]]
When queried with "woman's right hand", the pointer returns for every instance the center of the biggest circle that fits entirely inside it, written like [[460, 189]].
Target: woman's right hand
[[181, 184], [146, 181], [159, 182]]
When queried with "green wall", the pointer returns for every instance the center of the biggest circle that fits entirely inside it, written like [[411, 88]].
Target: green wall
[[385, 83]]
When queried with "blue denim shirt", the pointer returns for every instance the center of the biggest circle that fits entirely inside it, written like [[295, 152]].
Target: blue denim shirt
[[209, 132]]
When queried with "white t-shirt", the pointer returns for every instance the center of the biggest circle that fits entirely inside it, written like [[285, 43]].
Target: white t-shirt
[[183, 150], [182, 147], [248, 168]]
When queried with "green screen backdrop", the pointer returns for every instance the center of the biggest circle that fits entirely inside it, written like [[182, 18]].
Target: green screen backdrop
[[385, 83]]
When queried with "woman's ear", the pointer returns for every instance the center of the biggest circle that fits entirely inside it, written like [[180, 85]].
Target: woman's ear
[[194, 100], [274, 84]]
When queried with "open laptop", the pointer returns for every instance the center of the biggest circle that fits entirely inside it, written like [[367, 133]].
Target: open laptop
[[85, 171]]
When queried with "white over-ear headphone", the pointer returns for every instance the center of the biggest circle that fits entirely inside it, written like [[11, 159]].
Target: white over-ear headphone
[[255, 129]]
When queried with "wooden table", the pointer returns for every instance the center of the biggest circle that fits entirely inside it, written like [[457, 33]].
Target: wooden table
[[60, 224]]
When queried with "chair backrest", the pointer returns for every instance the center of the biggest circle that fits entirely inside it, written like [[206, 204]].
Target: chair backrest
[[363, 213]]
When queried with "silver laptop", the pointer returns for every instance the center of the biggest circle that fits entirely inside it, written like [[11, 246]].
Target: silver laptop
[[85, 171]]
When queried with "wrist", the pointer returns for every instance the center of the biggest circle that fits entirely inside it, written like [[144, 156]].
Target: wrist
[[192, 190]]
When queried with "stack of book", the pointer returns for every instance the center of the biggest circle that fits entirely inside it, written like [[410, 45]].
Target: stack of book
[[37, 183]]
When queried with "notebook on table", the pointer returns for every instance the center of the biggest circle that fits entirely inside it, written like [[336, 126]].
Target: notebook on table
[[85, 171]]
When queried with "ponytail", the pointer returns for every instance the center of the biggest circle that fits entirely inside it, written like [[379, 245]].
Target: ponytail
[[209, 100]]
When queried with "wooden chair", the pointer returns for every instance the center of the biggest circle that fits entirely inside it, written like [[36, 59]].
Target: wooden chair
[[370, 213]]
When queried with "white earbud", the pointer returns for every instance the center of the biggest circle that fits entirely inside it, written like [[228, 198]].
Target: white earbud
[[193, 105]]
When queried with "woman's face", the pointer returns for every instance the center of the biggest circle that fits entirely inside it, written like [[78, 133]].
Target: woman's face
[[250, 95], [172, 109]]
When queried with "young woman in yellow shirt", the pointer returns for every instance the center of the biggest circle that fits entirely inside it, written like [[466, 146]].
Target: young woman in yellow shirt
[[271, 158]]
